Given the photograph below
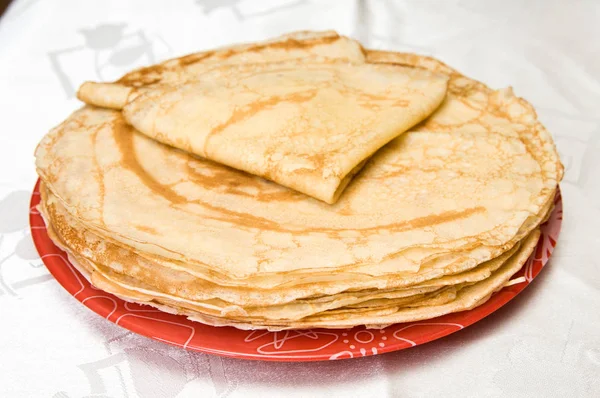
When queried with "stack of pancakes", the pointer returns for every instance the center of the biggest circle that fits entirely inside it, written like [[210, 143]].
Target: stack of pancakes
[[299, 182]]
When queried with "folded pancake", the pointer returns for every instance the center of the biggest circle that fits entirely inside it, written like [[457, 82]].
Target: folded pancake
[[308, 126], [295, 45]]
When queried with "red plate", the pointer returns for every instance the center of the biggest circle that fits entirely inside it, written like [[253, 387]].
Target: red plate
[[301, 345]]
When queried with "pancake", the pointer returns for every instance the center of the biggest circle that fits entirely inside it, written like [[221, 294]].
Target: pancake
[[205, 284], [101, 276], [454, 299], [202, 293], [132, 290], [308, 126], [466, 299]]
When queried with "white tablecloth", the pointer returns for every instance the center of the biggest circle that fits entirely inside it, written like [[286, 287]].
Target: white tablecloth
[[545, 343]]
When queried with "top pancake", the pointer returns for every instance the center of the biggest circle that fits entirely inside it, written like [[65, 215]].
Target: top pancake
[[307, 123], [306, 126]]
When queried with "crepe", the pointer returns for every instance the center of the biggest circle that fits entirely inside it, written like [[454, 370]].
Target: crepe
[[373, 313], [466, 298], [131, 289], [126, 268], [307, 126]]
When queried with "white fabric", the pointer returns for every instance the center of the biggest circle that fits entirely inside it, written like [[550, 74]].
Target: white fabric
[[545, 343]]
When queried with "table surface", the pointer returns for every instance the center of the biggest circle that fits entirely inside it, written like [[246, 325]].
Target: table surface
[[544, 343]]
